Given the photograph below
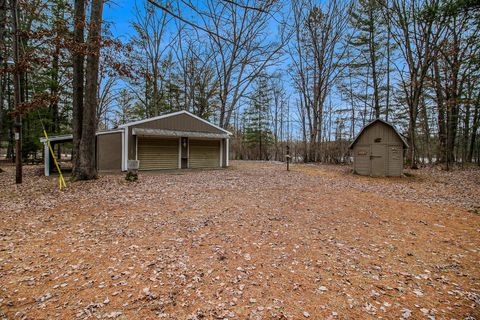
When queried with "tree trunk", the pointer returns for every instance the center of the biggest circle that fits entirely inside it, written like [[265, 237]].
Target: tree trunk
[[466, 133], [18, 85], [3, 50], [441, 115], [87, 169], [373, 62], [54, 85], [387, 106], [475, 126], [413, 104], [452, 125], [426, 131], [156, 109], [78, 83]]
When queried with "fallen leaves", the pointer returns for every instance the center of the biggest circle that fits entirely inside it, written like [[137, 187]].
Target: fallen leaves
[[251, 242]]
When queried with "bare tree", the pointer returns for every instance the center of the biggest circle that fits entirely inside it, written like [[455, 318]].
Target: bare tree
[[416, 31], [278, 113], [317, 53], [150, 39], [199, 80], [455, 64], [238, 35], [106, 99]]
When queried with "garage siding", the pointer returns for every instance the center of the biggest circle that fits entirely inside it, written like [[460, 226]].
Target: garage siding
[[157, 154], [109, 151], [204, 154]]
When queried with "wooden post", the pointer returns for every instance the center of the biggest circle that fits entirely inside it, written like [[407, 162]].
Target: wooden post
[[288, 158]]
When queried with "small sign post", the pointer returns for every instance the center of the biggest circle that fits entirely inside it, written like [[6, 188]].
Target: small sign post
[[288, 158]]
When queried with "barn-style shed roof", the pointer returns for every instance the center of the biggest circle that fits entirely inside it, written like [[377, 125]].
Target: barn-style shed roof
[[405, 144]]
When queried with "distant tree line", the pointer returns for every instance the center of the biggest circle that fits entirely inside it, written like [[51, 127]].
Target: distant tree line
[[304, 73], [411, 62]]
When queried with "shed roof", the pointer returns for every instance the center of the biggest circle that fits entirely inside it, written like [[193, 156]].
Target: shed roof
[[405, 144], [172, 115], [60, 138], [69, 137]]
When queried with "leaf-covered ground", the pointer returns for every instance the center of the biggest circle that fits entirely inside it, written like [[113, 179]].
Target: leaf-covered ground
[[249, 242]]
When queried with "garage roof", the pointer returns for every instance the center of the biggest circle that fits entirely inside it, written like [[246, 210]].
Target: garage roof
[[172, 115]]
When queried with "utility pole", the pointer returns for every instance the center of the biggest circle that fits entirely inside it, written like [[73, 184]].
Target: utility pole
[[17, 95]]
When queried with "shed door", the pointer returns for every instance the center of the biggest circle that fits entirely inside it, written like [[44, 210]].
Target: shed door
[[362, 160], [395, 160], [157, 154], [204, 154], [378, 158]]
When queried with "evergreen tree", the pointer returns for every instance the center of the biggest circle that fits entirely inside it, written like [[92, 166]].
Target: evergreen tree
[[369, 45], [258, 134]]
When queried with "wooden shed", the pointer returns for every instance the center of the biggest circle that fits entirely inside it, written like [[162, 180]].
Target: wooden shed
[[378, 150], [178, 140]]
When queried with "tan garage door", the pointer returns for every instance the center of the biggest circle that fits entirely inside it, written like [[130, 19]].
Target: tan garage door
[[204, 154], [157, 154]]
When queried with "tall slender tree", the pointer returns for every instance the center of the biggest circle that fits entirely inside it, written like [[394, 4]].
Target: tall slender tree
[[78, 60], [417, 30], [85, 165]]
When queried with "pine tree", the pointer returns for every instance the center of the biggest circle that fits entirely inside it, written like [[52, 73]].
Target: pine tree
[[369, 45], [258, 135]]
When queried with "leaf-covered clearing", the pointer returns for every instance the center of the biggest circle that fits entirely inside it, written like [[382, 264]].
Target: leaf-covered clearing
[[249, 242]]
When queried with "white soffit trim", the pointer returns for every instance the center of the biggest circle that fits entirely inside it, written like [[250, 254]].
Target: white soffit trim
[[227, 153], [125, 155], [136, 147], [175, 133], [123, 151], [179, 153], [221, 153], [108, 132], [46, 157]]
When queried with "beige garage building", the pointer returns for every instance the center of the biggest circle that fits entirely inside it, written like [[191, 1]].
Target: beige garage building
[[178, 140], [378, 150]]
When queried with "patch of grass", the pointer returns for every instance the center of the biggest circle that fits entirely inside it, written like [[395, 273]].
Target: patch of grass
[[311, 170], [475, 211], [409, 175]]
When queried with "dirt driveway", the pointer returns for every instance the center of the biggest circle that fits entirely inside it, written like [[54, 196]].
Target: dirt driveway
[[250, 242]]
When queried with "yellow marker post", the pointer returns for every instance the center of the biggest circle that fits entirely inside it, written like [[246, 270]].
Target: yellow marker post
[[61, 181]]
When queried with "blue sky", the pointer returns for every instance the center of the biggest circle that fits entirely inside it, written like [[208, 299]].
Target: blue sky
[[119, 13]]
